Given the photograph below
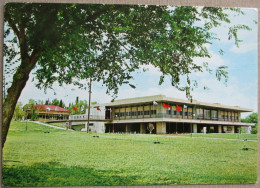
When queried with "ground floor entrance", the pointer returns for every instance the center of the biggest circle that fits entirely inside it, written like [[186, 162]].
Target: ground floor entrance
[[175, 128], [133, 128], [169, 128]]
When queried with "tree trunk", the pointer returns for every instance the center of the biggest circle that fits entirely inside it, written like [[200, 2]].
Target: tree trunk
[[19, 81]]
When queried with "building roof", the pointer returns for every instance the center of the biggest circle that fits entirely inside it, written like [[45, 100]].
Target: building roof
[[50, 108], [163, 98]]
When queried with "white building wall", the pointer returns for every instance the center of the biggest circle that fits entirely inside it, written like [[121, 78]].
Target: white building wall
[[95, 114]]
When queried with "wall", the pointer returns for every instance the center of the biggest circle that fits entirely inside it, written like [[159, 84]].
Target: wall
[[161, 127]]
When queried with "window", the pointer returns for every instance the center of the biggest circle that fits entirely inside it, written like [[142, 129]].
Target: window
[[153, 112], [214, 114], [146, 112], [134, 113], [127, 114], [140, 113], [199, 113], [174, 112], [207, 114], [168, 112]]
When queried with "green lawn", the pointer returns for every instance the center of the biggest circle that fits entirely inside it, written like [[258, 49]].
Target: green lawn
[[222, 135], [43, 156]]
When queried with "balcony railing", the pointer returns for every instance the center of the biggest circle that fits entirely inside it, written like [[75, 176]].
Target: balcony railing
[[165, 115], [85, 116]]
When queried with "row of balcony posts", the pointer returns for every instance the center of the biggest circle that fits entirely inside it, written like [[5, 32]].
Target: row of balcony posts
[[153, 113]]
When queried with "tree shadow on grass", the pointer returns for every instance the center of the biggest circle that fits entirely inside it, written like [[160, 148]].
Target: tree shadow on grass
[[56, 174]]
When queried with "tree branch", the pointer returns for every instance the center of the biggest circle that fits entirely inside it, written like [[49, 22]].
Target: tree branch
[[12, 24]]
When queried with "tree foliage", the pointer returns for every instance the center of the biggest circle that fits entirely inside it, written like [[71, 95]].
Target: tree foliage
[[30, 107], [69, 43], [81, 105], [109, 42], [19, 112], [252, 118], [55, 102]]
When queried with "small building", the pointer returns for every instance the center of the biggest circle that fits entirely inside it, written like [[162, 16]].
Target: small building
[[96, 124], [172, 116], [50, 112]]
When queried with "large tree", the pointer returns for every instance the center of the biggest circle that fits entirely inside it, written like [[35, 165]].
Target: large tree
[[69, 43]]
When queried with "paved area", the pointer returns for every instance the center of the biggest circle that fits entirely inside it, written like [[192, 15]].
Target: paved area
[[47, 125]]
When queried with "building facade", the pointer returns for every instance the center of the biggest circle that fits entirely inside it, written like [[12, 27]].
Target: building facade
[[96, 124], [164, 115], [49, 112]]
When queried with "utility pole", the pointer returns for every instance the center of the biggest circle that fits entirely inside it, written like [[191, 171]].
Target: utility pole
[[89, 99]]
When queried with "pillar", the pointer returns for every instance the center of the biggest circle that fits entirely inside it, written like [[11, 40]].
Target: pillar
[[128, 128], [194, 112], [219, 129], [195, 128], [219, 115], [233, 129], [249, 129], [161, 127], [142, 128], [204, 129]]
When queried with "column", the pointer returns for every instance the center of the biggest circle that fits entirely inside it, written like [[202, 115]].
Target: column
[[125, 112], [131, 111], [233, 129], [161, 127], [143, 111], [128, 128], [219, 129], [219, 115], [194, 114], [195, 129], [182, 111], [119, 113], [142, 128], [150, 111]]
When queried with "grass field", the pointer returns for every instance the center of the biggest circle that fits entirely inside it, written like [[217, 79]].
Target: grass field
[[43, 156]]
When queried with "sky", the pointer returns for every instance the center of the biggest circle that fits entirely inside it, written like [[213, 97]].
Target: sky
[[240, 90]]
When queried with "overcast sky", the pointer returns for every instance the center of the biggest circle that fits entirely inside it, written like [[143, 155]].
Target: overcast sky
[[241, 89]]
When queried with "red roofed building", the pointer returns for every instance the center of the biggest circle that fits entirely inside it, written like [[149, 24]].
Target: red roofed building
[[50, 112]]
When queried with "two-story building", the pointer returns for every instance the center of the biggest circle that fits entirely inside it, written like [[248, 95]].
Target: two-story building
[[171, 115]]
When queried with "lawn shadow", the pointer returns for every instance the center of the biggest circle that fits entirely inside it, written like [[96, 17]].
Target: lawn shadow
[[57, 174]]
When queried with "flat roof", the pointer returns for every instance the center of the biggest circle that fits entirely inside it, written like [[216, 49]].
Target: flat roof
[[163, 98]]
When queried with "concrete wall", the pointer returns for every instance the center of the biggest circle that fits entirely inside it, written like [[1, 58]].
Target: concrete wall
[[195, 129], [219, 129], [98, 127], [161, 127]]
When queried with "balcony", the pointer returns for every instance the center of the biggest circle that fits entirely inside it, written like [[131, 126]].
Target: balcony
[[166, 115]]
